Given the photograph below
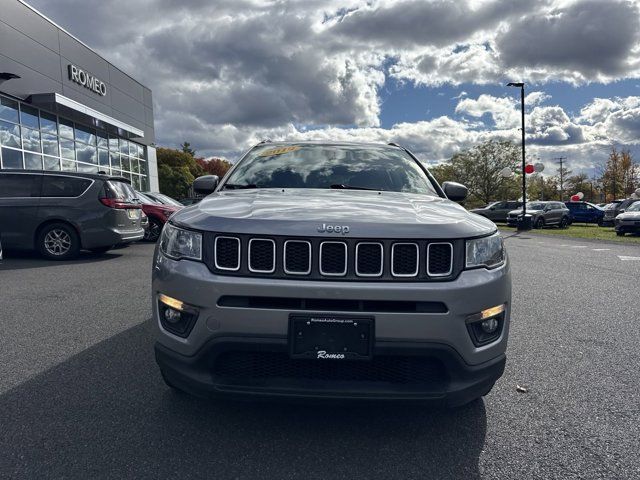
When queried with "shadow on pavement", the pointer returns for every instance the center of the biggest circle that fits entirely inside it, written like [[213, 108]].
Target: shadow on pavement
[[105, 413]]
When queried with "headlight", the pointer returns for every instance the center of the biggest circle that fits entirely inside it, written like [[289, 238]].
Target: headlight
[[177, 243], [485, 252]]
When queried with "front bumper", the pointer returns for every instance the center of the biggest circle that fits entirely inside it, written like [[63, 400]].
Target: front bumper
[[627, 226], [461, 370], [453, 382]]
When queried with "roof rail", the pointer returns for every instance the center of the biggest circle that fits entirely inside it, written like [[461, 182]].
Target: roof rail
[[394, 144]]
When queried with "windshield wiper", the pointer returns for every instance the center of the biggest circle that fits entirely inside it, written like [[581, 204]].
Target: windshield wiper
[[238, 186], [341, 186]]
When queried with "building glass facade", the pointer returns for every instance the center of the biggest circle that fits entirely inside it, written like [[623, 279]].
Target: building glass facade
[[34, 139]]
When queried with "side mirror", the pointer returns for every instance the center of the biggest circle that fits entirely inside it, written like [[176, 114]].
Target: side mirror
[[205, 184], [621, 210], [455, 191]]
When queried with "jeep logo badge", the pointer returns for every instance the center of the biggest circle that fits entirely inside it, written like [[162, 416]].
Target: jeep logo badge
[[324, 228]]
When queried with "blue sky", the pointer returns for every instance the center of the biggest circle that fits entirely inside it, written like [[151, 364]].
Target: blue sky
[[429, 74], [405, 102]]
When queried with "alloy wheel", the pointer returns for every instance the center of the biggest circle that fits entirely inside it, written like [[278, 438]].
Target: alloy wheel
[[57, 242]]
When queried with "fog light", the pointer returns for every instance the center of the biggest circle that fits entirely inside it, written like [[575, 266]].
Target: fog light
[[176, 316], [171, 315], [486, 326], [490, 326], [492, 312]]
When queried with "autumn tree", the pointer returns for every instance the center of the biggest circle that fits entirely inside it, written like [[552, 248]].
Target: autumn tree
[[620, 174], [214, 166], [540, 187]]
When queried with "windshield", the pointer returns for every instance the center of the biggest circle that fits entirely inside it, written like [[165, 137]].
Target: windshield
[[120, 190], [535, 206], [330, 166], [168, 200], [634, 208], [145, 199]]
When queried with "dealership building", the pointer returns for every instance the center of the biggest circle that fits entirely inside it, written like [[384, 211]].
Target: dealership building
[[64, 107]]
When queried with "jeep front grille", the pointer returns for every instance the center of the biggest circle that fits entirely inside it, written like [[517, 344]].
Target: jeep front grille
[[333, 259], [262, 255]]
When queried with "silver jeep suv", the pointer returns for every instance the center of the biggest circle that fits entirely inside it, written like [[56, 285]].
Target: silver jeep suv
[[331, 270]]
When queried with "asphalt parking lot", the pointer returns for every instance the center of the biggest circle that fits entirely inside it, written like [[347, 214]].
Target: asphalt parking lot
[[81, 397]]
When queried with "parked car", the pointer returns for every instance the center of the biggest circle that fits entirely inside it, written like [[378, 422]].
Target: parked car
[[190, 201], [144, 221], [544, 214], [158, 214], [163, 199], [498, 211], [629, 220], [60, 213], [331, 270], [585, 212], [610, 213]]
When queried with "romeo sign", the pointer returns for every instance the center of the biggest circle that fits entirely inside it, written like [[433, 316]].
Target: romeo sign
[[87, 80]]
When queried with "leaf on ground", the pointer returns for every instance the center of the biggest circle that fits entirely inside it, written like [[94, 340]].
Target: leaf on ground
[[521, 389]]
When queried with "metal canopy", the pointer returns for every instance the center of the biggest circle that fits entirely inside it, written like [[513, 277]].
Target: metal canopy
[[66, 107]]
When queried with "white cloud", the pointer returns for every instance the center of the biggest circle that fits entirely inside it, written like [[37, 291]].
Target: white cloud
[[227, 73]]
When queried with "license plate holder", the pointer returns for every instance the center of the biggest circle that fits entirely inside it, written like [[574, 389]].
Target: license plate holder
[[331, 337]]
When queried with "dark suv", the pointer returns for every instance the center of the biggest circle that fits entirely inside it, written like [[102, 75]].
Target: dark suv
[[498, 211], [59, 213], [543, 214]]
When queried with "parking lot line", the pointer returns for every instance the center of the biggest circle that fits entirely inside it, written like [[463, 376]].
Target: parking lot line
[[626, 258], [600, 249]]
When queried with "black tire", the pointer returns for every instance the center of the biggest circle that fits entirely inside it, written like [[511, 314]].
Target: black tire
[[152, 233], [564, 223], [100, 250], [620, 234], [600, 223], [539, 223], [58, 241]]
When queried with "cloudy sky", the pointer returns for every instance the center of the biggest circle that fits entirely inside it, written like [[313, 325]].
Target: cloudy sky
[[427, 74]]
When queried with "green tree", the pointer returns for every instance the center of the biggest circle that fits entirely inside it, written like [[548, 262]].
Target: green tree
[[479, 169], [176, 171], [186, 148]]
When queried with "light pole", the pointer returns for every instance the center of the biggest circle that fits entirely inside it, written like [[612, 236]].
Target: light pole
[[524, 224]]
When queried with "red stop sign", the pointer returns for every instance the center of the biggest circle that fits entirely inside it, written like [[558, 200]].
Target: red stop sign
[[529, 169]]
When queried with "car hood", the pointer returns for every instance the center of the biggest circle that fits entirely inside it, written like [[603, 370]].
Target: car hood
[[519, 212], [303, 212], [629, 216]]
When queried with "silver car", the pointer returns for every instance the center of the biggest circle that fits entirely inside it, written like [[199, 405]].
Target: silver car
[[629, 220], [331, 270]]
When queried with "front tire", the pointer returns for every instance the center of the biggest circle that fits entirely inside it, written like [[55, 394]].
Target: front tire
[[58, 241], [539, 223], [620, 234], [564, 223]]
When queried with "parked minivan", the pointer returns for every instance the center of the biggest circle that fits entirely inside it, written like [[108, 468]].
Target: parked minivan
[[60, 213]]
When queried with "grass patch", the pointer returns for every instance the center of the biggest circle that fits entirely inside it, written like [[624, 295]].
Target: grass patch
[[590, 232]]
